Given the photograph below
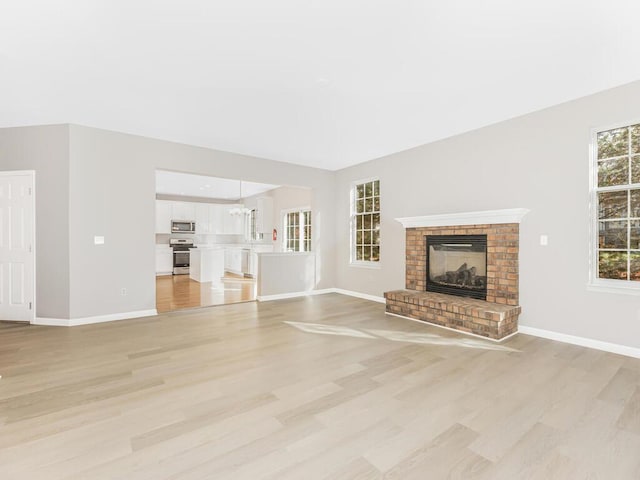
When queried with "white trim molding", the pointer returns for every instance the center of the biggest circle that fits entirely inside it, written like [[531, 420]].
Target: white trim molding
[[364, 296], [8, 173], [597, 284], [581, 341], [603, 285], [353, 214], [74, 322], [340, 291], [284, 296], [509, 215]]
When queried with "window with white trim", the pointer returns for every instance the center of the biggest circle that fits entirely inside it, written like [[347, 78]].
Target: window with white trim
[[253, 231], [365, 222], [297, 231], [616, 201]]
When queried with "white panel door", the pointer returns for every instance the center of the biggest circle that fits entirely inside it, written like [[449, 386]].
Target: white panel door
[[17, 252]]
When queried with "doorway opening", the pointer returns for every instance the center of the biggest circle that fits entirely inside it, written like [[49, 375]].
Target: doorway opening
[[209, 233]]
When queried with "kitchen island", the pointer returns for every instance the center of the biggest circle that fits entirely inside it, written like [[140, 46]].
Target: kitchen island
[[207, 264]]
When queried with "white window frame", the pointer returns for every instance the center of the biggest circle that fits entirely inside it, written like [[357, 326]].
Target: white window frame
[[301, 211], [250, 225], [353, 227], [595, 283]]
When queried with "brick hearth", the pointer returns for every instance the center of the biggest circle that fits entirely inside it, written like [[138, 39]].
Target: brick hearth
[[494, 318], [465, 314]]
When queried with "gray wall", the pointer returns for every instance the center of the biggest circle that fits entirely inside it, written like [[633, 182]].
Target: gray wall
[[539, 161], [285, 273], [45, 149], [94, 182], [112, 193]]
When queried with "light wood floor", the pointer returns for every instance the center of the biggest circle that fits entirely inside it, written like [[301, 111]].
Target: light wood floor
[[176, 292], [311, 388]]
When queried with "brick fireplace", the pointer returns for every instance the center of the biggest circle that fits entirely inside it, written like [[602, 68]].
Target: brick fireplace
[[497, 316]]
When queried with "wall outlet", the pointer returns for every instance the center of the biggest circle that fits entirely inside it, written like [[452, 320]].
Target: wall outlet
[[123, 292], [544, 240], [98, 240]]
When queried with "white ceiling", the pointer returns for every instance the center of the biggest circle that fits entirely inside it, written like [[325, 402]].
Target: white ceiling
[[186, 184], [326, 83]]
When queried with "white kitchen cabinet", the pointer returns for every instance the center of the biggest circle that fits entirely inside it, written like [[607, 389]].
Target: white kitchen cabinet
[[215, 217], [183, 211], [163, 216], [233, 260], [207, 265], [210, 218], [264, 215], [164, 260], [236, 223], [231, 224], [203, 218]]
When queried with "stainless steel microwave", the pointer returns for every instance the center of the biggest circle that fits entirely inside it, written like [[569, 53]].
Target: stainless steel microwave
[[183, 226]]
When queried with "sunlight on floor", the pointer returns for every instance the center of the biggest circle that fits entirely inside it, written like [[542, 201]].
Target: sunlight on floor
[[399, 336]]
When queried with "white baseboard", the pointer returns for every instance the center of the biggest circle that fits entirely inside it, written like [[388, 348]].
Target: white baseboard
[[581, 341], [73, 322], [364, 296], [51, 322], [282, 296]]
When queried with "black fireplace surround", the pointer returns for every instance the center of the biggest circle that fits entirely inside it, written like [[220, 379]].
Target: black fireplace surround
[[457, 265]]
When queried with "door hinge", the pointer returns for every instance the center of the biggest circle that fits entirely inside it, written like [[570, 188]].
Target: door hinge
[[29, 248], [30, 305], [29, 190]]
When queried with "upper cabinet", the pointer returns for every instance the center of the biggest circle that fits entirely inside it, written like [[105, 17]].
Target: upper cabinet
[[204, 224], [216, 216], [264, 215], [163, 216], [232, 220], [184, 210], [210, 218]]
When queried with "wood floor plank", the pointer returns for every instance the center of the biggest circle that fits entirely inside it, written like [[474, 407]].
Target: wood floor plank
[[630, 418], [440, 457], [324, 387], [177, 292]]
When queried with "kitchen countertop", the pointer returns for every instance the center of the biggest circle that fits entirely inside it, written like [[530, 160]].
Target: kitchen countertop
[[242, 246], [215, 246]]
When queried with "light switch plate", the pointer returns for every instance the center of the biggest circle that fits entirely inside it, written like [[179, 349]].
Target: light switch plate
[[98, 240], [544, 240]]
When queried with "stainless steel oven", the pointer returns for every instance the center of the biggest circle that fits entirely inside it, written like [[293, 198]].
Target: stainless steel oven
[[181, 255], [183, 226]]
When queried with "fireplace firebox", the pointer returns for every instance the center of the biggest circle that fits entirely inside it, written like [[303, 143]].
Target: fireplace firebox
[[457, 265]]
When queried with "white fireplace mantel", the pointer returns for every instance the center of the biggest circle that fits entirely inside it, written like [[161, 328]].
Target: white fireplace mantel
[[509, 215]]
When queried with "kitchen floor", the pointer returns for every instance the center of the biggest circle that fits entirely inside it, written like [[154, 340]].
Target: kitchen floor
[[176, 292]]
